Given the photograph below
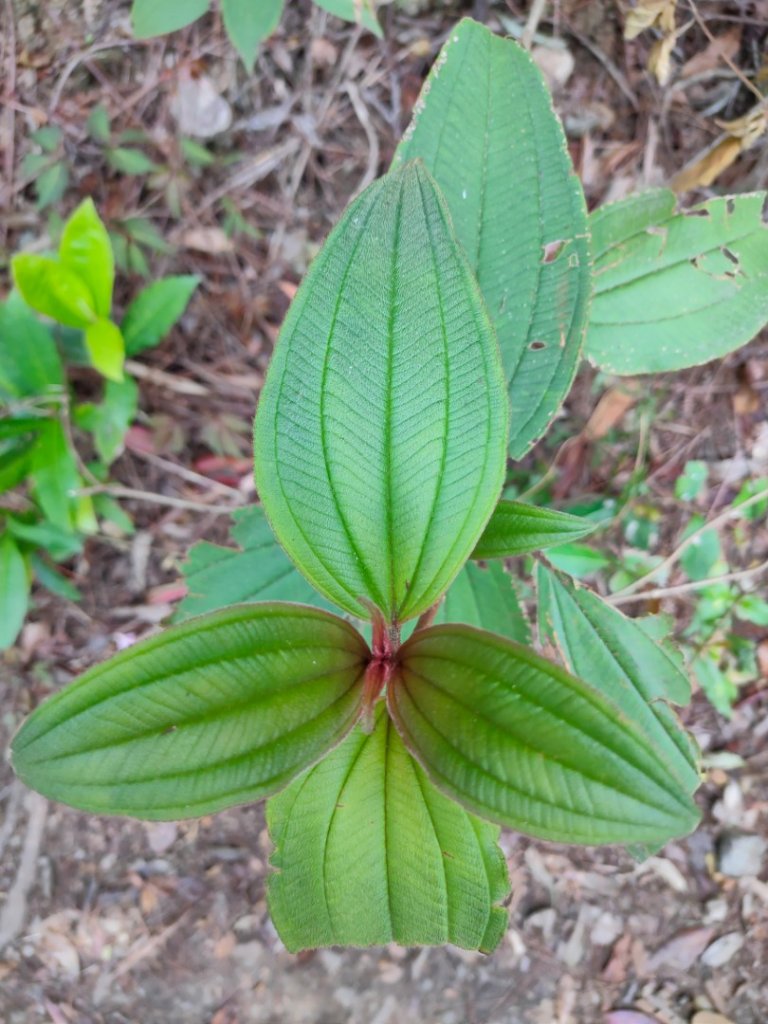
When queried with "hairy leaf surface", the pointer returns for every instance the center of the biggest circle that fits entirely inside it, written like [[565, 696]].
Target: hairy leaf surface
[[518, 740], [381, 432], [367, 852], [601, 644], [485, 128], [675, 290], [516, 528], [222, 710]]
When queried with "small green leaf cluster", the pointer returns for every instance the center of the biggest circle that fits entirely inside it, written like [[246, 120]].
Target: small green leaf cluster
[[372, 679], [49, 496], [247, 24]]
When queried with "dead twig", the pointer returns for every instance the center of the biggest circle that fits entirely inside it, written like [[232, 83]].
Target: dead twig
[[118, 491], [685, 588], [15, 907]]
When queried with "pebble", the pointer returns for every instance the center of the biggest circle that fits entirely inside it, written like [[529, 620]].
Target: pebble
[[740, 854], [722, 949]]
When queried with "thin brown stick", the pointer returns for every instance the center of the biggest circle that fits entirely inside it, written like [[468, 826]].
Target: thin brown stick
[[686, 588], [713, 524], [118, 491]]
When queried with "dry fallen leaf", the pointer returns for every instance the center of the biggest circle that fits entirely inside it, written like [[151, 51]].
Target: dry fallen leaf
[[649, 14], [739, 136], [211, 240], [724, 46], [608, 412], [683, 950], [660, 58], [709, 1017]]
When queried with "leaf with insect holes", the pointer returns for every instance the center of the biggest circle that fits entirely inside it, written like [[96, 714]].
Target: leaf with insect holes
[[618, 658], [368, 852], [150, 18], [86, 250], [221, 710], [361, 12], [155, 310], [676, 290], [54, 290], [516, 528], [29, 361], [380, 435], [486, 597], [249, 24], [521, 742], [485, 128], [14, 590]]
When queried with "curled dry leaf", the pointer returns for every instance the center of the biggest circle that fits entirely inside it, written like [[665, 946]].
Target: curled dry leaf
[[649, 14], [739, 135]]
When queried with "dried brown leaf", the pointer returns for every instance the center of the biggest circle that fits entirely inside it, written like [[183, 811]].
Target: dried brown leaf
[[608, 412], [629, 1017], [741, 134], [721, 47], [649, 14], [660, 58], [683, 950]]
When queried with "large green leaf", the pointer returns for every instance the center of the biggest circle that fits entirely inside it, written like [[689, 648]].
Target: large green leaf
[[221, 710], [367, 852], [485, 128], [485, 597], [621, 660], [153, 18], [86, 250], [675, 290], [155, 310], [363, 12], [248, 24], [381, 432], [29, 361], [257, 570], [518, 740], [516, 528], [14, 590]]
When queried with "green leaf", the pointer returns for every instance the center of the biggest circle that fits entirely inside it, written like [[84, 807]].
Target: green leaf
[[58, 543], [106, 349], [219, 711], [516, 528], [621, 660], [521, 742], [85, 249], [52, 580], [53, 289], [485, 597], [248, 24], [130, 161], [368, 852], [150, 18], [195, 153], [98, 124], [702, 555], [753, 609], [675, 290], [380, 434], [362, 12], [750, 489], [54, 475], [578, 560], [29, 361], [719, 689], [145, 233], [14, 463], [109, 421], [108, 509], [485, 128], [155, 310], [51, 184], [48, 138], [257, 570], [690, 483], [14, 590]]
